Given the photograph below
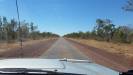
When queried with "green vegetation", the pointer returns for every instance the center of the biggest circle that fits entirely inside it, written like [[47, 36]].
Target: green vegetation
[[10, 31], [105, 30]]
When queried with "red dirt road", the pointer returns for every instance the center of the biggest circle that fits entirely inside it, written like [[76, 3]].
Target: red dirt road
[[64, 48]]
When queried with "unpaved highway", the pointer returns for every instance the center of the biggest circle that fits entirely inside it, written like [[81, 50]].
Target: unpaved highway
[[63, 49]]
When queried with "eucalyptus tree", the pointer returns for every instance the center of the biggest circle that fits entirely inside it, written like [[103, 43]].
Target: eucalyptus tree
[[128, 6]]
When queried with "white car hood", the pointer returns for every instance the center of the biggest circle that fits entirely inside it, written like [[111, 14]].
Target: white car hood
[[30, 63], [60, 66]]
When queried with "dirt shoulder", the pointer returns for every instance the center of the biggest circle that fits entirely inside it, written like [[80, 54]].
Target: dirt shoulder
[[118, 48], [8, 46], [30, 49], [108, 54]]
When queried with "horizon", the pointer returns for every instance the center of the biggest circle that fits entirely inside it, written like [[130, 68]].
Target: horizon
[[66, 16]]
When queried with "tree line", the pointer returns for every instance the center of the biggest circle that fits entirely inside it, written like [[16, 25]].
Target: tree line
[[10, 31], [105, 30]]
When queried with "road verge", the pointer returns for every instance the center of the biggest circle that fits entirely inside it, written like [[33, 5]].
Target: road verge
[[114, 61]]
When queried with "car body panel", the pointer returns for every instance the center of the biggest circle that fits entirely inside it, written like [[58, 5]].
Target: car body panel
[[58, 65]]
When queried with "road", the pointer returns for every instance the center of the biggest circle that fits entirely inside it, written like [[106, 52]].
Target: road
[[55, 49], [63, 49]]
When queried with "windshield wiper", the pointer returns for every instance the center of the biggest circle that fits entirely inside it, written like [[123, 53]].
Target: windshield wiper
[[25, 71]]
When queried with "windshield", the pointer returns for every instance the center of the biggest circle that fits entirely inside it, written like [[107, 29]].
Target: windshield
[[96, 30]]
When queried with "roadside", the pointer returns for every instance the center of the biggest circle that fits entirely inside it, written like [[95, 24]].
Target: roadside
[[7, 46], [31, 48], [117, 48], [116, 61]]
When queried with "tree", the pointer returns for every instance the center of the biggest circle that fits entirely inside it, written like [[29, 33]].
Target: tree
[[130, 36], [24, 29], [99, 28], [108, 31], [121, 34], [33, 28], [1, 29], [9, 31], [128, 6], [5, 28], [105, 29]]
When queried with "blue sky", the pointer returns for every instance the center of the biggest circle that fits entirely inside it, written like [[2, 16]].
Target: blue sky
[[66, 16]]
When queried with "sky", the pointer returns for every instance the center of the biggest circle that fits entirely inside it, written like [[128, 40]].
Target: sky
[[66, 16]]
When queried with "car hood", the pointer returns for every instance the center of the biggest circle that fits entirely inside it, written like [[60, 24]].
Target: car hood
[[67, 66]]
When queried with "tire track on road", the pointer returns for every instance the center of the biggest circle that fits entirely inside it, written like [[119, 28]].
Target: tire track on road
[[63, 49]]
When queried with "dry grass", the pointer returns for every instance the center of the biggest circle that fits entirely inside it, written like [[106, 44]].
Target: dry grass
[[119, 48], [8, 46]]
